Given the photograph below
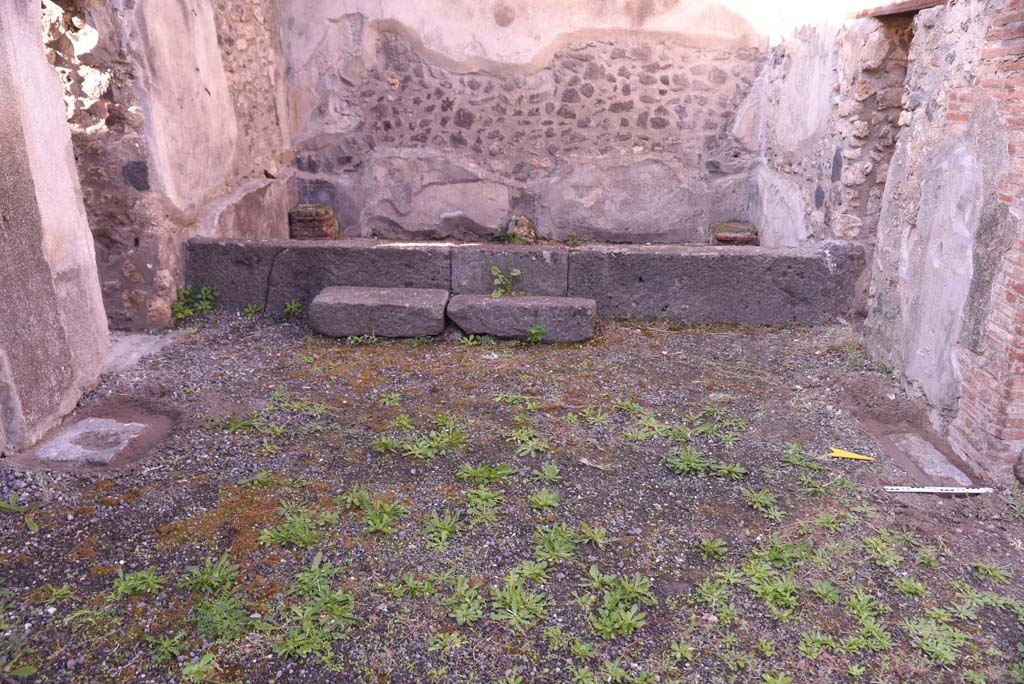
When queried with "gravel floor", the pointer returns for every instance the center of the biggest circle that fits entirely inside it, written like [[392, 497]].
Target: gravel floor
[[663, 514]]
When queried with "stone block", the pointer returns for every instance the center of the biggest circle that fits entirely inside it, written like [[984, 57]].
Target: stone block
[[381, 311], [239, 268], [305, 268], [544, 269], [750, 285], [565, 319]]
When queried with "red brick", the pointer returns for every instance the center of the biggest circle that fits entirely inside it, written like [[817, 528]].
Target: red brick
[[1007, 18], [1007, 32], [1001, 84], [1010, 65], [957, 116]]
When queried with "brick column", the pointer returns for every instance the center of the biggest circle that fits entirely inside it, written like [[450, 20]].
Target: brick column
[[989, 428]]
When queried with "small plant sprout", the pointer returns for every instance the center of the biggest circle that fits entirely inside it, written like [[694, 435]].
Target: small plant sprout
[[712, 549], [682, 650], [504, 285], [908, 586], [764, 502], [293, 308], [534, 571], [380, 517], [593, 534], [475, 340], [200, 671], [536, 333], [390, 399], [548, 473], [252, 310], [439, 529], [360, 340], [465, 605], [528, 442], [554, 543], [824, 590], [992, 572], [262, 478], [210, 577], [516, 606], [402, 422], [485, 474], [544, 498], [191, 303], [301, 527], [142, 583]]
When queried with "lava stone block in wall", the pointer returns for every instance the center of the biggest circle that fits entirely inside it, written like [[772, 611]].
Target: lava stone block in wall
[[383, 311], [544, 269], [305, 268], [239, 268], [564, 319], [750, 285]]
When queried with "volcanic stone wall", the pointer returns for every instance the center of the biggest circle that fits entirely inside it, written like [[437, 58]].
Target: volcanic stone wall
[[617, 136]]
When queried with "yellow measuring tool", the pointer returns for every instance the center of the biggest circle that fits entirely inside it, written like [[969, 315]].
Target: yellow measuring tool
[[841, 453]]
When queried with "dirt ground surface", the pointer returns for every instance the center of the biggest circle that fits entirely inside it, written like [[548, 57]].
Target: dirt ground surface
[[652, 506]]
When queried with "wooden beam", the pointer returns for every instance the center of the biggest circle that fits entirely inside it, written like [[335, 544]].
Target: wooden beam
[[905, 7]]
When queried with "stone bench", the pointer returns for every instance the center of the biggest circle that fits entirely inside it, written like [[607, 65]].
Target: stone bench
[[563, 319], [810, 284], [381, 311]]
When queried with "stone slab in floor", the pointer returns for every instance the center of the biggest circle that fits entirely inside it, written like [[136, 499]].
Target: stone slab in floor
[[127, 349], [930, 460], [565, 319], [381, 311], [544, 269], [90, 441]]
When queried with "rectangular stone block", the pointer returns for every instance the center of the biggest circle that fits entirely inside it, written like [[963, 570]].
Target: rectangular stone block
[[381, 311], [565, 319], [239, 268], [750, 285], [545, 269], [305, 268]]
